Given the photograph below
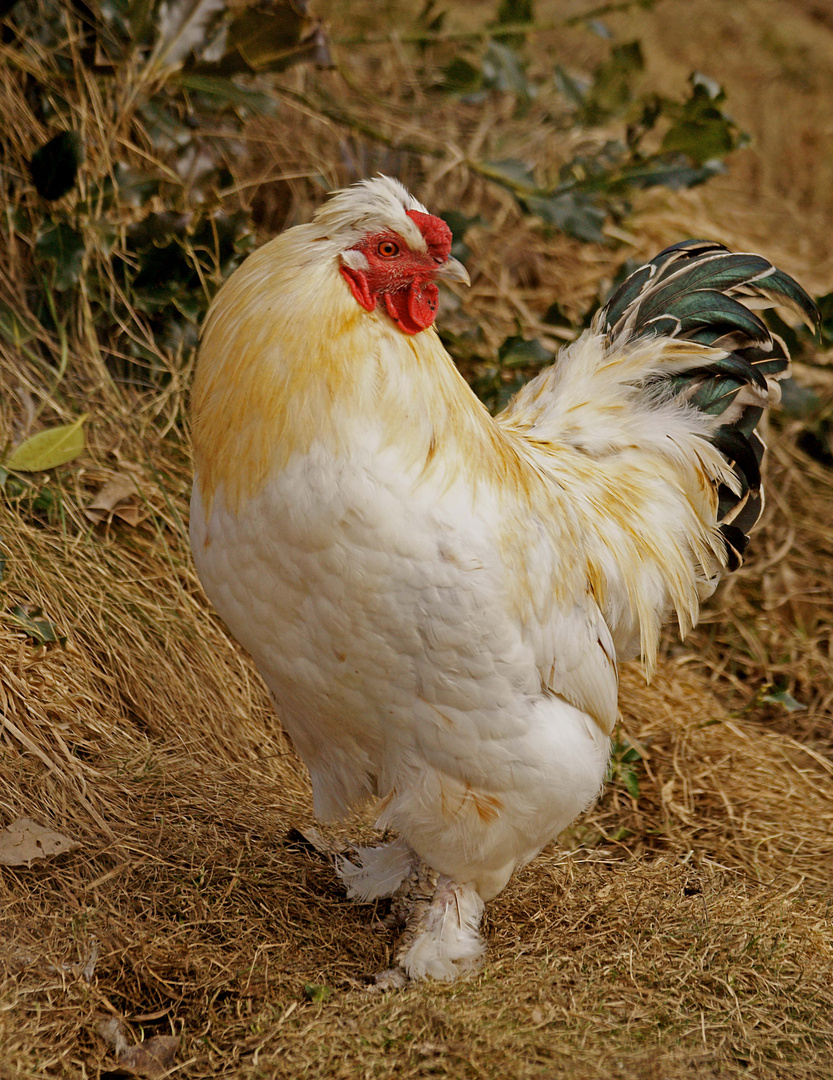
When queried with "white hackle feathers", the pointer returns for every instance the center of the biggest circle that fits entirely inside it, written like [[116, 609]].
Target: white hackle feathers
[[368, 207]]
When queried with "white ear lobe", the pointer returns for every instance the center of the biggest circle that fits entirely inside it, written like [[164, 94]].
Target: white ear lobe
[[355, 260]]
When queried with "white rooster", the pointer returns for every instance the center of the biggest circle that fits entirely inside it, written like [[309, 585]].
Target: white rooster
[[438, 599]]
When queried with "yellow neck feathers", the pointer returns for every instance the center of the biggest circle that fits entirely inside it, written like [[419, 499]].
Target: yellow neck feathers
[[289, 359]]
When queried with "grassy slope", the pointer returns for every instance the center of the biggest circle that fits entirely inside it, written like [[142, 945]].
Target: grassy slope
[[695, 943]]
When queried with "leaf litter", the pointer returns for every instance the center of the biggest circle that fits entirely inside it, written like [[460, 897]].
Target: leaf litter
[[119, 497], [25, 840], [152, 1058]]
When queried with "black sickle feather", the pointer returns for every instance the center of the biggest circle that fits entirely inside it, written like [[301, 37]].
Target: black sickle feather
[[698, 291]]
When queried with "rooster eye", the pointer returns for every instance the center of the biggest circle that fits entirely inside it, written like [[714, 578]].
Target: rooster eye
[[388, 249]]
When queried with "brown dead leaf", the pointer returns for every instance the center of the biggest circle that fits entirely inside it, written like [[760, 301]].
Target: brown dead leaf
[[119, 497], [151, 1058], [24, 841]]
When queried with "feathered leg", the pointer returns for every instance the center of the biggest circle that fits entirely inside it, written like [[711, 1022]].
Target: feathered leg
[[441, 923], [439, 919], [374, 873]]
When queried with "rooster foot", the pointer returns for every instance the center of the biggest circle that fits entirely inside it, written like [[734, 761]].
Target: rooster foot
[[441, 921]]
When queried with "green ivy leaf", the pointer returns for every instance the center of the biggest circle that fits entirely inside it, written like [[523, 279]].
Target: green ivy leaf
[[513, 173], [675, 171], [459, 223], [135, 187], [503, 70], [317, 992], [783, 698], [39, 628], [269, 37], [183, 29], [47, 449], [63, 247], [573, 212], [612, 91], [516, 352], [226, 92], [12, 328], [140, 18], [799, 401], [702, 131], [574, 90], [191, 306], [631, 782], [54, 167], [703, 139], [460, 76], [555, 315], [515, 11], [106, 235]]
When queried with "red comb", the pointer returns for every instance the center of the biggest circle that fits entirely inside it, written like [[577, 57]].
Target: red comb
[[436, 233]]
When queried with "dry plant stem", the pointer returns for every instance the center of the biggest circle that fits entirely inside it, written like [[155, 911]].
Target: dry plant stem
[[525, 28], [409, 145]]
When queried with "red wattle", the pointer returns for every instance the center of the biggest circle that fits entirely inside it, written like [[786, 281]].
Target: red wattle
[[359, 287], [415, 308]]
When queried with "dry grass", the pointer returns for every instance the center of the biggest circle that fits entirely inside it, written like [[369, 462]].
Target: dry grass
[[688, 932]]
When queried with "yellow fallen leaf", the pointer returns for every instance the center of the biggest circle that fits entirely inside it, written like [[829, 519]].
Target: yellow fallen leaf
[[49, 448]]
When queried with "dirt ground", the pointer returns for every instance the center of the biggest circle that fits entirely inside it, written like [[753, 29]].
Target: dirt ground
[[682, 931]]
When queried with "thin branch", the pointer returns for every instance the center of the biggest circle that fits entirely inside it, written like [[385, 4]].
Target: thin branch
[[426, 37], [339, 116], [345, 119]]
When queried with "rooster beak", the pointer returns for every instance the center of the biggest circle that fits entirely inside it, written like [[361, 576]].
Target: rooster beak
[[453, 270]]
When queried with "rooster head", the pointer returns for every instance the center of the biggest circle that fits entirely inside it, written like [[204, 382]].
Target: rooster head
[[391, 250]]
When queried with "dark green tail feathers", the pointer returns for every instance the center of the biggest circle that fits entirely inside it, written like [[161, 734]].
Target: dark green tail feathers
[[698, 291]]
